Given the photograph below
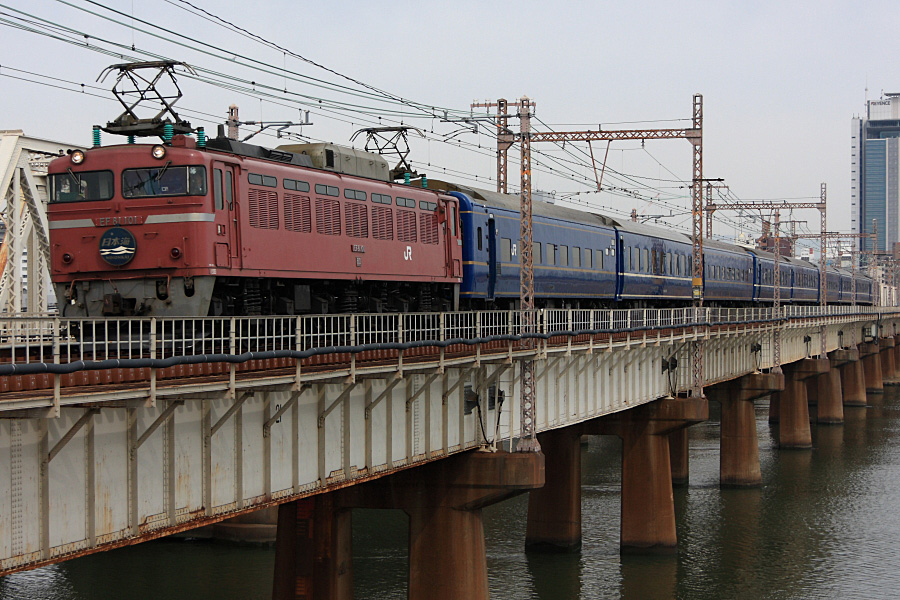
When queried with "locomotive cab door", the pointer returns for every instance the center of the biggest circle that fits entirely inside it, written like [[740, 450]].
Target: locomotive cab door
[[226, 214], [452, 238]]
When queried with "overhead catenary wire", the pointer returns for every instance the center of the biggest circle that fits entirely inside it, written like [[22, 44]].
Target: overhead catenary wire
[[563, 168]]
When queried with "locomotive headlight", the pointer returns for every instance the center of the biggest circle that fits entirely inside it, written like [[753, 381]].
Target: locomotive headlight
[[175, 252], [158, 152], [67, 258], [77, 157]]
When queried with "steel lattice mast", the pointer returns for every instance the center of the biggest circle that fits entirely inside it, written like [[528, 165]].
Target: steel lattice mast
[[527, 440], [777, 206], [697, 243], [776, 302], [505, 138], [694, 134]]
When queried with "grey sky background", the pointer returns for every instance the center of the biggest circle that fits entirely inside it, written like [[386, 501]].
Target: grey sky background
[[780, 80]]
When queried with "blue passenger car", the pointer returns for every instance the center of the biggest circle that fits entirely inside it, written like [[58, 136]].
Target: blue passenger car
[[864, 290], [585, 260], [654, 263], [727, 273], [846, 279], [833, 286], [574, 252], [804, 281]]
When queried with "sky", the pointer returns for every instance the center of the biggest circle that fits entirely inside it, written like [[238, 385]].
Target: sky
[[780, 83]]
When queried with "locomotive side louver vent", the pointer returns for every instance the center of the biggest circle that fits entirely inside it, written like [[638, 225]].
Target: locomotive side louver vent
[[382, 223], [328, 216], [428, 225], [263, 209], [356, 222], [297, 213], [406, 226]]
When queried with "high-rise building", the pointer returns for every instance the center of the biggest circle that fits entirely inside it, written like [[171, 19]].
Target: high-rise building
[[875, 172]]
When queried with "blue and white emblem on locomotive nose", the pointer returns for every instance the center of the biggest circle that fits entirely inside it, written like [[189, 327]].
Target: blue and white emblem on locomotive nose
[[117, 246]]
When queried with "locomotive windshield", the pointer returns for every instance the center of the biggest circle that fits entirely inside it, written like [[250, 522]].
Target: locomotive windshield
[[81, 187], [164, 180]]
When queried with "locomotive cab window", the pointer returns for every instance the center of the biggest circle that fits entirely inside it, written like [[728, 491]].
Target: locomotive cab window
[[81, 187], [164, 181]]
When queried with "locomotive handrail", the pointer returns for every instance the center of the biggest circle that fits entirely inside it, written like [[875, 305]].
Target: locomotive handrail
[[58, 345]]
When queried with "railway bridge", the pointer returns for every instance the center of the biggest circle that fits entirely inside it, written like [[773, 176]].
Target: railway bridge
[[117, 431]]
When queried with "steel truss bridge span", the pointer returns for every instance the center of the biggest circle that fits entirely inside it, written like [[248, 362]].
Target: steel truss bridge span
[[117, 431]]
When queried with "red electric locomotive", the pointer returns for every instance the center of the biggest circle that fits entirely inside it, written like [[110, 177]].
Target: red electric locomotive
[[223, 227]]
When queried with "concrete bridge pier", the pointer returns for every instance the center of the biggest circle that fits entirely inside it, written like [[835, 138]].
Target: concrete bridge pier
[[871, 360], [554, 511], [678, 456], [739, 446], [853, 379], [825, 391], [446, 533], [896, 356], [793, 407], [886, 350], [313, 550], [648, 509]]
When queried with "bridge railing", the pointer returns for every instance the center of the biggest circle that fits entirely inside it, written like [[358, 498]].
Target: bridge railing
[[60, 340]]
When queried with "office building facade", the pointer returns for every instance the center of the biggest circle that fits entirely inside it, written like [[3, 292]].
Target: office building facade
[[875, 172]]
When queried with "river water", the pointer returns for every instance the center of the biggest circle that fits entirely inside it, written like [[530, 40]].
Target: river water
[[824, 524]]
